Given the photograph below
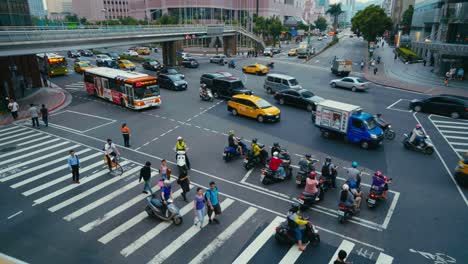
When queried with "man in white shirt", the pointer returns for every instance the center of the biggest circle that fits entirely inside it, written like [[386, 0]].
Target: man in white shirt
[[34, 115], [13, 107], [111, 152]]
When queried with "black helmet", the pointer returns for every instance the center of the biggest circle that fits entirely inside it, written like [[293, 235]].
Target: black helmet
[[276, 144], [254, 140], [294, 207], [327, 159], [308, 156]]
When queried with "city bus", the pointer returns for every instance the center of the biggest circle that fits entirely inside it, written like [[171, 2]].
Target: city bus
[[129, 89], [52, 64]]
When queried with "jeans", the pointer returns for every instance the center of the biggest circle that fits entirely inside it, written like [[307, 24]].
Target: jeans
[[35, 121], [298, 232], [14, 114], [147, 187], [75, 172], [200, 216], [45, 119], [281, 172], [126, 138]]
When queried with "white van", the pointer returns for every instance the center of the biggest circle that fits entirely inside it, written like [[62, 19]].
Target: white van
[[278, 82]]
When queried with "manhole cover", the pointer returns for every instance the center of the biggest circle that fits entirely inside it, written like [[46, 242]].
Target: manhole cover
[[8, 149]]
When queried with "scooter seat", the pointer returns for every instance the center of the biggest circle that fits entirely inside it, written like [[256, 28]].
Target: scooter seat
[[308, 195]]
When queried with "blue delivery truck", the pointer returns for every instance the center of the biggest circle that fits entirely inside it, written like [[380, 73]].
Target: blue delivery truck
[[348, 121]]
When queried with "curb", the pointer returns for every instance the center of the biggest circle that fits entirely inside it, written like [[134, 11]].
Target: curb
[[62, 102]]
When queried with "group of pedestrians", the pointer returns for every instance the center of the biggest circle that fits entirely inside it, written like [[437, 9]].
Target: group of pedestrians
[[252, 53], [33, 111]]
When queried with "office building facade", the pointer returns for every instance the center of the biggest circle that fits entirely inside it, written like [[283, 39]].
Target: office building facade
[[98, 10]]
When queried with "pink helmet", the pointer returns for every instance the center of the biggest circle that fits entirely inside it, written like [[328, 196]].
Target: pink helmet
[[418, 126], [378, 174], [312, 175]]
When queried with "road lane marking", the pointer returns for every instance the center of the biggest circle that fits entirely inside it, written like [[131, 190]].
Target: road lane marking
[[172, 247], [346, 246], [12, 132], [455, 132], [28, 148], [8, 128], [123, 227], [32, 141], [46, 173], [94, 189], [13, 215], [208, 251], [444, 126], [96, 127], [16, 135], [33, 153], [391, 210], [141, 241], [446, 140], [451, 122], [7, 259], [20, 139], [384, 259], [259, 241], [293, 254], [95, 116], [449, 172]]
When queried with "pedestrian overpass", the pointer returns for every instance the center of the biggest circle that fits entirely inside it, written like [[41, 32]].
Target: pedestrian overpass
[[32, 40]]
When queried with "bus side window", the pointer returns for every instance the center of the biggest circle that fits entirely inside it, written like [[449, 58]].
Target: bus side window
[[113, 85], [105, 83], [88, 78]]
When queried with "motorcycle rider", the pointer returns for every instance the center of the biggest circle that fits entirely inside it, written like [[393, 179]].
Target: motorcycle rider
[[362, 64], [311, 186], [417, 136], [329, 171], [232, 64], [305, 165], [381, 182], [111, 152], [354, 179], [181, 146], [296, 223], [166, 194], [275, 166], [276, 148], [348, 199], [203, 90], [284, 155], [235, 143], [259, 152]]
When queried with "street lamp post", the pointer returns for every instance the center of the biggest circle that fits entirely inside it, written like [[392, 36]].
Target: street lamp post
[[105, 16]]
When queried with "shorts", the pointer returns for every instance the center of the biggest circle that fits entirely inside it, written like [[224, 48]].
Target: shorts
[[216, 209], [385, 187]]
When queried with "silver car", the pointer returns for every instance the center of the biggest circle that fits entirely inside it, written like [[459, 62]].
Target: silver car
[[353, 83], [217, 58]]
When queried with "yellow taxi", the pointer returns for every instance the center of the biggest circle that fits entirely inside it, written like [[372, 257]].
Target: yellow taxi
[[292, 52], [126, 64], [461, 171], [254, 107], [256, 68], [81, 66], [143, 51]]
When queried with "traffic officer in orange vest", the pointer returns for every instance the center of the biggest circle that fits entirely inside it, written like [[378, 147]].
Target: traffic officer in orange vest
[[126, 135]]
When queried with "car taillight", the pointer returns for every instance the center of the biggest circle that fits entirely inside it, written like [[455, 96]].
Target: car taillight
[[276, 228], [342, 207], [466, 109], [362, 85], [372, 195], [301, 196]]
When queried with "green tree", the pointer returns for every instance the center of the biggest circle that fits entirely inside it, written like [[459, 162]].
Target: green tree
[[275, 27], [406, 19], [261, 26], [371, 22], [167, 20], [128, 21], [321, 23], [83, 21], [72, 18], [334, 10]]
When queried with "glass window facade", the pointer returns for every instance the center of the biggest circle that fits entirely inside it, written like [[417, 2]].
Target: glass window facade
[[14, 13]]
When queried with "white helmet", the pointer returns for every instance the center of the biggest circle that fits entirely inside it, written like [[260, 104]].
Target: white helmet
[[345, 187], [275, 153], [167, 182], [179, 138]]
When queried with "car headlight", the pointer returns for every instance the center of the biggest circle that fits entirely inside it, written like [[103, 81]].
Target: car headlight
[[373, 136]]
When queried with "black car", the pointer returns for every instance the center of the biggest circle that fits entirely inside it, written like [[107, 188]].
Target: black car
[[207, 78], [109, 64], [113, 55], [153, 65], [447, 105], [86, 53], [171, 71], [298, 97], [73, 54], [227, 87], [190, 63], [172, 81]]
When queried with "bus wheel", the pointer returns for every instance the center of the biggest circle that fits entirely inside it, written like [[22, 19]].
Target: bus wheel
[[122, 102]]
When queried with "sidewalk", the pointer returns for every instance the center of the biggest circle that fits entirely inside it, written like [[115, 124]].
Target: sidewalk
[[201, 51], [412, 77], [54, 98]]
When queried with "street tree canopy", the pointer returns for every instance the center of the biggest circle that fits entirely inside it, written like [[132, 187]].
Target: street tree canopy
[[269, 28], [321, 23], [407, 19], [371, 22], [334, 10]]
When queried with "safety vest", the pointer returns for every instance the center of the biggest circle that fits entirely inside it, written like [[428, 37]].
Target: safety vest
[[180, 145], [125, 130]]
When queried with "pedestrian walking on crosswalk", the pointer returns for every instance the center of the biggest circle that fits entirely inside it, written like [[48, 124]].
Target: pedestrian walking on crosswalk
[[34, 115], [126, 135], [45, 115], [199, 208], [13, 106], [74, 165], [341, 258], [212, 198], [145, 174]]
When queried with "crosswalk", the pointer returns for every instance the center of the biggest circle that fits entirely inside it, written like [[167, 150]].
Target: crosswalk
[[110, 209], [455, 132], [76, 86]]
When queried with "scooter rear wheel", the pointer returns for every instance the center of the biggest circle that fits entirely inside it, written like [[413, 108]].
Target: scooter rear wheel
[[341, 219], [177, 220]]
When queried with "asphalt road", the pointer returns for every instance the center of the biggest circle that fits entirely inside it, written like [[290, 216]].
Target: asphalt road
[[102, 219]]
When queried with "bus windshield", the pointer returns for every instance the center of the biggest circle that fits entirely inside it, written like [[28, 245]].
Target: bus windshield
[[146, 91], [58, 64]]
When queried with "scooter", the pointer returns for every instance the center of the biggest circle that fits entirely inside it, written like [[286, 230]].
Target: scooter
[[301, 175], [155, 208], [269, 177], [271, 65], [374, 196], [181, 163], [286, 235], [230, 153], [345, 213], [231, 65], [250, 161], [385, 126], [206, 95], [306, 200], [426, 147]]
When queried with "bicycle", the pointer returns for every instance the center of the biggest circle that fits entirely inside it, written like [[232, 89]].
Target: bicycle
[[116, 168]]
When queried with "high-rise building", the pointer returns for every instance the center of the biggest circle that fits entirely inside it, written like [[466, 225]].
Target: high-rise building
[[59, 6], [439, 33], [17, 73], [98, 10], [37, 9]]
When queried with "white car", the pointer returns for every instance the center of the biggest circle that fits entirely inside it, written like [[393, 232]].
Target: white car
[[267, 52], [353, 83], [218, 59], [319, 38], [102, 57], [186, 55], [131, 53]]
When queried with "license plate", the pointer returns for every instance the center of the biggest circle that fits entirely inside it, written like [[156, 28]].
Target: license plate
[[300, 201], [224, 154], [246, 161], [371, 201], [340, 213], [298, 182]]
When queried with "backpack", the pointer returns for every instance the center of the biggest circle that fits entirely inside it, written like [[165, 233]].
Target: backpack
[[326, 170]]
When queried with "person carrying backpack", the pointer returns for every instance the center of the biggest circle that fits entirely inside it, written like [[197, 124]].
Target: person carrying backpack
[[329, 171]]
